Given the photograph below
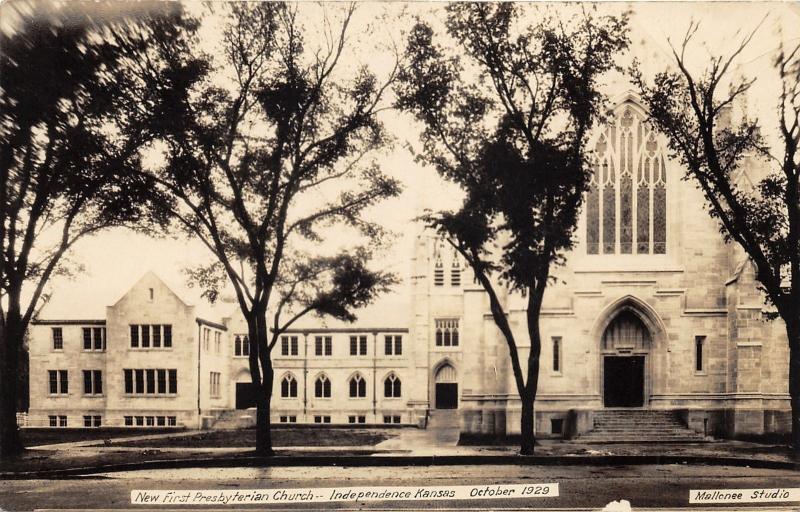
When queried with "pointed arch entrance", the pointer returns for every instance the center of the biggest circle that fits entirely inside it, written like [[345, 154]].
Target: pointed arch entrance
[[626, 337], [446, 387]]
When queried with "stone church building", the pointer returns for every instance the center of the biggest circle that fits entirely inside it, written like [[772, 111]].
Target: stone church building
[[653, 312]]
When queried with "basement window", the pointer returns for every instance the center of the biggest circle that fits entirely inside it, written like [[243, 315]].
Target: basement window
[[557, 426]]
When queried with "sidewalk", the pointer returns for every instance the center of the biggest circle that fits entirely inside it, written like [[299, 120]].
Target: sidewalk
[[412, 447]]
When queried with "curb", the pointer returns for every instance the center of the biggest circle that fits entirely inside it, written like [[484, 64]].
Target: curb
[[394, 461]]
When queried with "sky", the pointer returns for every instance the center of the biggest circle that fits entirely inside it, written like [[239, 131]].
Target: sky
[[114, 260]]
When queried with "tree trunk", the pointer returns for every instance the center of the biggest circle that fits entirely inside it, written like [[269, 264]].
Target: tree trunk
[[11, 338], [528, 439], [793, 332], [536, 292], [262, 374], [263, 426]]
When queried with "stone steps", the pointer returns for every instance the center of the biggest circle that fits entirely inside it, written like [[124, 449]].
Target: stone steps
[[639, 426], [235, 419]]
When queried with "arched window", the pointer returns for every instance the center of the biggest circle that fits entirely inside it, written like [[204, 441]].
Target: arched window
[[358, 386], [627, 200], [391, 386], [289, 386], [322, 387]]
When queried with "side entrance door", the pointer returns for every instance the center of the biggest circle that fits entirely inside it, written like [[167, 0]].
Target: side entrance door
[[446, 396], [245, 395]]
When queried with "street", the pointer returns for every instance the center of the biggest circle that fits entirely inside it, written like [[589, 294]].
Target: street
[[579, 486]]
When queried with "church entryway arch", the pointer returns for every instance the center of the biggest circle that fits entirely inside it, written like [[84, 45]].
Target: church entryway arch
[[625, 346], [446, 387]]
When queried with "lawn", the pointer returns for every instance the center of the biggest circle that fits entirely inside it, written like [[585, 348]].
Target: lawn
[[40, 436], [299, 436]]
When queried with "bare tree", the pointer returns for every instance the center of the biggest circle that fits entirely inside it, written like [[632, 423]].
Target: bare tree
[[690, 108]]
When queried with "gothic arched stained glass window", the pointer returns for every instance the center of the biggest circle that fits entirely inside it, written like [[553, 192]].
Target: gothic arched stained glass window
[[626, 204]]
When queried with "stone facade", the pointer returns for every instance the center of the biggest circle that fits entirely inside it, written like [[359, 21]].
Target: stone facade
[[652, 310]]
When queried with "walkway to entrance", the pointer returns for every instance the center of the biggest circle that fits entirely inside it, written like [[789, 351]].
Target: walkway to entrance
[[442, 432]]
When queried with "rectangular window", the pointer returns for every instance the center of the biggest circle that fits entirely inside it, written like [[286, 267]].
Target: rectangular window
[[358, 345], [173, 381], [214, 380], [58, 338], [167, 336], [145, 336], [162, 381], [323, 345], [53, 421], [134, 336], [94, 338], [62, 421], [128, 381], [156, 336], [171, 421], [150, 421], [446, 332], [93, 421], [557, 426], [99, 338], [63, 381], [289, 346], [160, 421], [139, 421], [391, 419], [128, 421], [699, 353], [393, 345], [139, 375], [92, 382], [53, 379], [322, 419], [150, 375], [556, 354]]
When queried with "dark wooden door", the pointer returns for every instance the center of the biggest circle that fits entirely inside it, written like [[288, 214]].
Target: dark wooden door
[[623, 384], [446, 396], [245, 395]]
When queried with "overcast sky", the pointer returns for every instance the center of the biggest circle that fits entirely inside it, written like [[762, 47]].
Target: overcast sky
[[116, 259]]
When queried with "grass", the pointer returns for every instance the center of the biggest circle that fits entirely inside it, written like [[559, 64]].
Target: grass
[[41, 436], [280, 437]]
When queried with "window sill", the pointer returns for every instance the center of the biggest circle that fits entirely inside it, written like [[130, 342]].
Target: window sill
[[93, 395], [625, 263], [149, 395], [150, 349]]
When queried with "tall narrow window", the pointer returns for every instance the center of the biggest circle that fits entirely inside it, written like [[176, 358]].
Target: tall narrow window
[[438, 273], [626, 201], [391, 387], [145, 336], [87, 338], [322, 387], [699, 353], [58, 338], [167, 336], [289, 387], [556, 354], [289, 346], [358, 387], [173, 381], [455, 272], [358, 345], [134, 336], [156, 336]]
